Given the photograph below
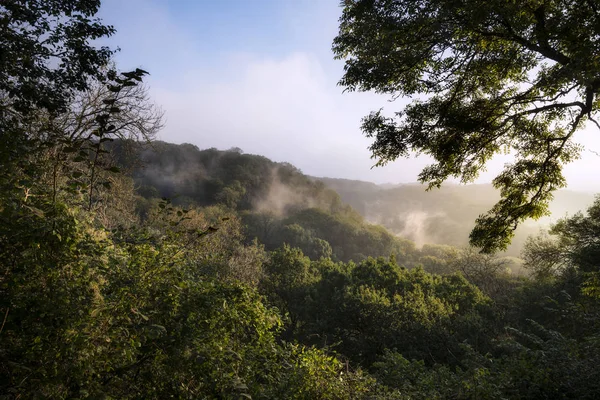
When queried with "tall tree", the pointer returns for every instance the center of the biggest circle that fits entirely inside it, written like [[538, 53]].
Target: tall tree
[[46, 57], [487, 77]]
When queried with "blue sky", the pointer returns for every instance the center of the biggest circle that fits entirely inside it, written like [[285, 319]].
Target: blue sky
[[259, 75], [204, 33]]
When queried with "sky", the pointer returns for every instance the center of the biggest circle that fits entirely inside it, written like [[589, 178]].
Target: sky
[[260, 75]]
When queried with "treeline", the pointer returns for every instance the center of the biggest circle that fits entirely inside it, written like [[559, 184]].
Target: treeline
[[240, 181]]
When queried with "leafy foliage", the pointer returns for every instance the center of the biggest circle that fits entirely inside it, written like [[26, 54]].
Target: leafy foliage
[[46, 53], [489, 77], [362, 309], [573, 244], [130, 319]]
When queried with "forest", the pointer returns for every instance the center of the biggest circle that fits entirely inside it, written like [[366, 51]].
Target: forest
[[135, 268]]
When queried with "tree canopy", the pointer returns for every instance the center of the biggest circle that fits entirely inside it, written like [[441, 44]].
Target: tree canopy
[[485, 78], [46, 51]]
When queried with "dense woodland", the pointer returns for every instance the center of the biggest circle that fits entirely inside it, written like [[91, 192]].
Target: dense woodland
[[134, 268]]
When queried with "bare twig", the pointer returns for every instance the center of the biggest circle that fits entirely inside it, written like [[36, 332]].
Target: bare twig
[[4, 322]]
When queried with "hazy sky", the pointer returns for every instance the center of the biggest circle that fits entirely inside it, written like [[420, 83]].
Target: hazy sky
[[260, 75]]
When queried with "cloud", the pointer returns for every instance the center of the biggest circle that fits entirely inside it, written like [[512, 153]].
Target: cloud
[[283, 104], [284, 108]]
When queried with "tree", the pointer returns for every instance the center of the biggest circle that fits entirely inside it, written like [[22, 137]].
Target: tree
[[483, 270], [138, 118], [46, 59], [571, 249], [488, 77], [579, 235], [544, 257], [46, 54], [287, 271]]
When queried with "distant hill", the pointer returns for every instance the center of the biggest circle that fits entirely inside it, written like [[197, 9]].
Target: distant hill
[[445, 215], [276, 202], [273, 199], [238, 180]]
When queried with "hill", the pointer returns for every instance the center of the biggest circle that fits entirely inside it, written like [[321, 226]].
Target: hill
[[445, 215], [276, 202]]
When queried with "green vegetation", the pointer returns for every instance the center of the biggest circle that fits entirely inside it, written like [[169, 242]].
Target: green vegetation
[[486, 78], [136, 269], [276, 202]]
